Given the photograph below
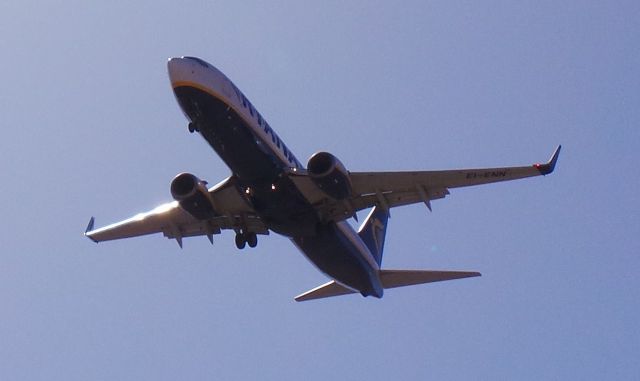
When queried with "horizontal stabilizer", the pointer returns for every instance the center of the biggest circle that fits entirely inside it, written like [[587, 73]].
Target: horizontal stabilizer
[[332, 288], [400, 278], [389, 279]]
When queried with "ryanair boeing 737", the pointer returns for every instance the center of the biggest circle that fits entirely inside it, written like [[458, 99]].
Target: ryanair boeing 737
[[270, 190]]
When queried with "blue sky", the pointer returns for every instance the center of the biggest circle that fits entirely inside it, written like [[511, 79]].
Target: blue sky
[[91, 128]]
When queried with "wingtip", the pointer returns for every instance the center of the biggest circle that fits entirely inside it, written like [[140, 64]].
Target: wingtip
[[550, 165], [89, 228]]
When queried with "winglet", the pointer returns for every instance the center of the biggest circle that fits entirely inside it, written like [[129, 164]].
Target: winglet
[[90, 228], [547, 168]]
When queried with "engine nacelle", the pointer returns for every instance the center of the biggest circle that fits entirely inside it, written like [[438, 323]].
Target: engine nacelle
[[192, 195], [330, 175]]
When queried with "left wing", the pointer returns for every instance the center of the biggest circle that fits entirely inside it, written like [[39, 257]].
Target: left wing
[[234, 212], [402, 188], [391, 189]]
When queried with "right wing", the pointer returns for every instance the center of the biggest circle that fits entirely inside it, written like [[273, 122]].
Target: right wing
[[234, 212]]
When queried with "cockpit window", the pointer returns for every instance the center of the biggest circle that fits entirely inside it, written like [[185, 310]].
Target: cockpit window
[[198, 60]]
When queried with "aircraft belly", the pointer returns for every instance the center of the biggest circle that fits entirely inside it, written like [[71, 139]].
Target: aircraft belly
[[330, 250], [228, 135], [274, 196]]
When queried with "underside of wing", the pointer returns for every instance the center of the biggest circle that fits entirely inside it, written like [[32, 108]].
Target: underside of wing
[[391, 189], [402, 188], [232, 212]]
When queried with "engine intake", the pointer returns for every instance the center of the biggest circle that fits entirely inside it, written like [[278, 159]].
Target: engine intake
[[192, 195], [330, 175]]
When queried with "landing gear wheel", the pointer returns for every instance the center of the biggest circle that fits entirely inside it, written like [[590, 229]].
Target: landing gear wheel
[[241, 241], [252, 239], [193, 127]]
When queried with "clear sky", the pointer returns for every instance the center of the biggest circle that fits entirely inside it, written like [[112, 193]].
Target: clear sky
[[91, 127]]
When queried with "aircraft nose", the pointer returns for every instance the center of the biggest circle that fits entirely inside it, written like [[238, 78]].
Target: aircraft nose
[[177, 68], [186, 68], [172, 62]]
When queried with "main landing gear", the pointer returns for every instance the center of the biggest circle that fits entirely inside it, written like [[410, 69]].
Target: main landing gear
[[246, 238]]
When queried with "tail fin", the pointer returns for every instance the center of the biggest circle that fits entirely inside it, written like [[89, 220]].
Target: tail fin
[[373, 231]]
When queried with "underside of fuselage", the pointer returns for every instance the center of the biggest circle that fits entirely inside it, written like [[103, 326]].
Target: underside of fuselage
[[261, 176], [331, 251]]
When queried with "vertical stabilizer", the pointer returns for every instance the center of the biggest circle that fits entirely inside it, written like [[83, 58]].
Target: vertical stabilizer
[[373, 231]]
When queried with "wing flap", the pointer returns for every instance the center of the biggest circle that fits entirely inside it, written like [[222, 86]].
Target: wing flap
[[399, 198]]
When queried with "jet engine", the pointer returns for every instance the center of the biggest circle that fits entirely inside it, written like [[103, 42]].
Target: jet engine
[[192, 195], [330, 175]]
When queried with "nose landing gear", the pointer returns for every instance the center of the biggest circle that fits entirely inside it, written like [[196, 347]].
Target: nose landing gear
[[193, 126]]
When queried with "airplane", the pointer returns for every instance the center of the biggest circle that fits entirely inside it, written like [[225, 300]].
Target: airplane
[[269, 190]]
